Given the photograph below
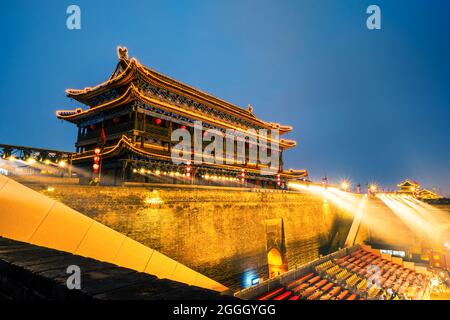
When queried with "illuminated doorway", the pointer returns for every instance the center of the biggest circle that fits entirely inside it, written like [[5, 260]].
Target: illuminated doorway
[[276, 248]]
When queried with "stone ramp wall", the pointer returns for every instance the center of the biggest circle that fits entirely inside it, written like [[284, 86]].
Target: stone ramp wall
[[27, 215]]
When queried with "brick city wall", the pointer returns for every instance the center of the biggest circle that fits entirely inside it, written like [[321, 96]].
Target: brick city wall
[[220, 233]]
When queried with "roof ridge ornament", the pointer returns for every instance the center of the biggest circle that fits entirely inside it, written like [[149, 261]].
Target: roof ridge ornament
[[250, 108], [122, 53]]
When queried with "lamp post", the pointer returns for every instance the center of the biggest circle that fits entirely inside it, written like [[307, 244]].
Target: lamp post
[[325, 181], [344, 185], [372, 189]]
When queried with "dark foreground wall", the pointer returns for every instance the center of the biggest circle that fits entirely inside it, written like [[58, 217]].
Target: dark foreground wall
[[224, 234], [29, 272]]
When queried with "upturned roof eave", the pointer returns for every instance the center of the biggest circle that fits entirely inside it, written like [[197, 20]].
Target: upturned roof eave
[[129, 73]]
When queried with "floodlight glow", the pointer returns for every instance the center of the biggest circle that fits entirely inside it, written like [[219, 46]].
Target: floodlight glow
[[153, 200]]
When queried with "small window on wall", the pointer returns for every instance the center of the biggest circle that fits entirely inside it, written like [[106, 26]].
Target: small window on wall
[[398, 253], [116, 121], [394, 253]]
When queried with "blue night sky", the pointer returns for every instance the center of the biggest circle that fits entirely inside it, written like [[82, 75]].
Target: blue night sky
[[371, 106]]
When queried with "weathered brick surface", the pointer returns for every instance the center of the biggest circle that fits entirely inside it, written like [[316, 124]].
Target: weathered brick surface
[[220, 233]]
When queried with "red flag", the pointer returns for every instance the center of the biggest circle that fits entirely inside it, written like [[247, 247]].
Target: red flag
[[103, 135]]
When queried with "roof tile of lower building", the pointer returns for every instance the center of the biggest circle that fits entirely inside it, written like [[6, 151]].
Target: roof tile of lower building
[[42, 273]]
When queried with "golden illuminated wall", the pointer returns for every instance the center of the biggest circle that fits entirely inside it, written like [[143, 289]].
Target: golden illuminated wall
[[219, 233]]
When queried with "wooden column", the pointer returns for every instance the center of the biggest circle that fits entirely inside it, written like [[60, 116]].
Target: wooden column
[[170, 135], [143, 129], [124, 168], [135, 125], [69, 169], [281, 159]]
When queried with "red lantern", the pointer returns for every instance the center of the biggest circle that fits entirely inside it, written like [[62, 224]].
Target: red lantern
[[96, 165], [116, 120], [188, 168], [182, 126], [205, 134], [157, 121]]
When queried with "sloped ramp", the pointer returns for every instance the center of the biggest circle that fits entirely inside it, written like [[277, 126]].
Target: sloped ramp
[[356, 223], [28, 216]]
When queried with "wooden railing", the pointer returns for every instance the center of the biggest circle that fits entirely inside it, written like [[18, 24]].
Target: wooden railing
[[123, 127], [162, 131]]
